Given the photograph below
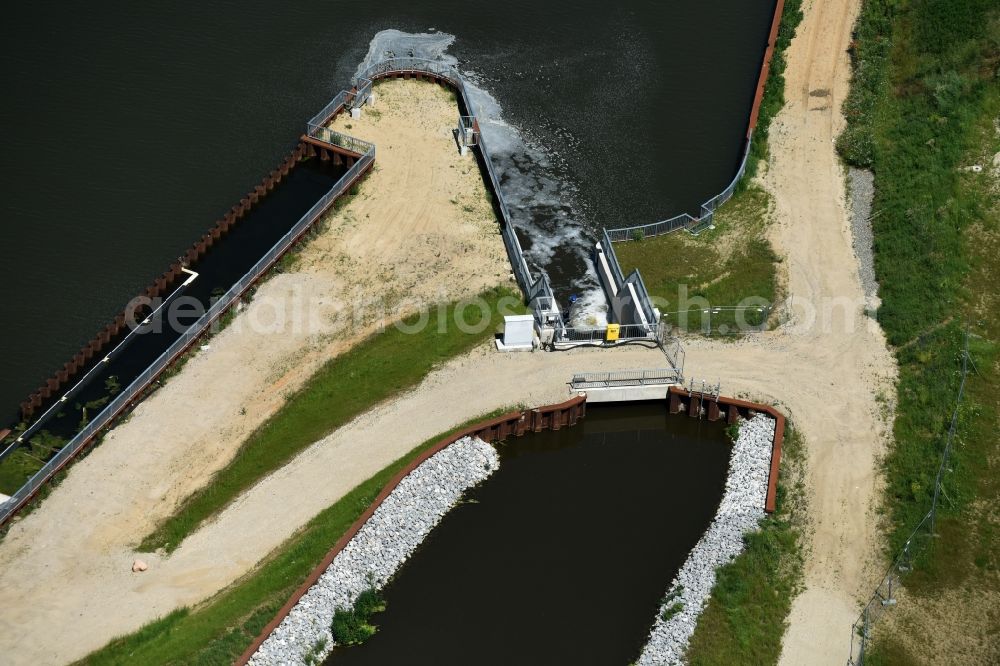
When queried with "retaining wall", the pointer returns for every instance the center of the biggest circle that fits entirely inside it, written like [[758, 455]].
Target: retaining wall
[[713, 408], [551, 417], [90, 354]]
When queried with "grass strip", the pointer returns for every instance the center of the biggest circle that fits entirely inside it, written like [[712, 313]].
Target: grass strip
[[220, 629], [376, 369], [730, 265], [745, 618], [924, 95], [922, 109]]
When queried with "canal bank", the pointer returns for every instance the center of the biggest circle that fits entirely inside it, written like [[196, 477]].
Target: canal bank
[[531, 527]]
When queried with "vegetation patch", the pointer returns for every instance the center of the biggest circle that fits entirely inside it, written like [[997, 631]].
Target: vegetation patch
[[774, 92], [220, 629], [352, 626], [745, 618], [376, 369], [922, 115], [731, 265]]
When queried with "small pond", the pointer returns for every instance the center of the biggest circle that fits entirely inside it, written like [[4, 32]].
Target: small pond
[[563, 555]]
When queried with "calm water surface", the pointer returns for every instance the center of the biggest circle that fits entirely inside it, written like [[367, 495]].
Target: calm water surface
[[563, 555], [130, 127]]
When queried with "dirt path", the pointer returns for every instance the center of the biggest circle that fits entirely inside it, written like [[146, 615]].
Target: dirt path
[[66, 565], [828, 366], [421, 229]]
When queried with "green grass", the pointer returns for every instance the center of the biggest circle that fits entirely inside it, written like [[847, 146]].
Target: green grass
[[922, 106], [920, 128], [353, 626], [731, 265], [219, 630], [382, 366], [23, 462], [774, 92], [745, 618]]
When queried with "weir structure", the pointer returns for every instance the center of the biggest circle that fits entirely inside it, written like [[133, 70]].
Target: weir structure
[[634, 317], [330, 147]]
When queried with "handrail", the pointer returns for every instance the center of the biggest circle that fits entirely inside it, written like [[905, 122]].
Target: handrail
[[685, 220], [143, 381], [538, 290], [334, 138]]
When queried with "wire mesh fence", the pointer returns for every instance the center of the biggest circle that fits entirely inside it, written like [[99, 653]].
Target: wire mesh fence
[[917, 544], [720, 320]]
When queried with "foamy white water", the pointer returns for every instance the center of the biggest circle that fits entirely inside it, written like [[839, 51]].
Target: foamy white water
[[544, 208]]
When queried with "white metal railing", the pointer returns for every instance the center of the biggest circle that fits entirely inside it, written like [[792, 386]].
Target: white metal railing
[[684, 220], [467, 130], [532, 288], [654, 377], [599, 334], [334, 138], [143, 381]]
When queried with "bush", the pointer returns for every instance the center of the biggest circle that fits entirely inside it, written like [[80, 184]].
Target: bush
[[351, 627]]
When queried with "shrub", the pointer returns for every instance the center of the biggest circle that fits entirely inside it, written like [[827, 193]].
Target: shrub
[[351, 627]]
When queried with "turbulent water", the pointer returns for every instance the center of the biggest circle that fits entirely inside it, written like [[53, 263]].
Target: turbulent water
[[545, 207], [130, 127]]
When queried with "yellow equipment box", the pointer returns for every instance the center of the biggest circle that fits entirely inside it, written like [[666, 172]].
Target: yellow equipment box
[[613, 331]]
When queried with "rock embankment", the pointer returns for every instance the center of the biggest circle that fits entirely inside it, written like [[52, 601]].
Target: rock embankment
[[862, 193], [370, 559], [741, 508]]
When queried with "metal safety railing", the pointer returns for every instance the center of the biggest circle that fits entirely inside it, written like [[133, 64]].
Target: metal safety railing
[[684, 220], [599, 334], [654, 377], [609, 250], [917, 543], [533, 289], [143, 381], [334, 138], [468, 130]]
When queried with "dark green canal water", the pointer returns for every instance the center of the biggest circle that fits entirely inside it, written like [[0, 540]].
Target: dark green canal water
[[129, 127], [563, 555]]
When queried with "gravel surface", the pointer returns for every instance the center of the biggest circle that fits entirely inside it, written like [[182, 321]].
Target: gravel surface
[[389, 537], [862, 193], [740, 510]]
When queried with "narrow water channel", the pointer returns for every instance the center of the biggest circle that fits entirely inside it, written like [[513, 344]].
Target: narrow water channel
[[563, 555]]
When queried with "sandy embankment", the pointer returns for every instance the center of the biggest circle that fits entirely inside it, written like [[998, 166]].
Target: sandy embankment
[[58, 571], [421, 229]]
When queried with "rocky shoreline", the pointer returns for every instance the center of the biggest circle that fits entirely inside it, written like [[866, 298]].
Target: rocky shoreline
[[385, 541], [740, 510]]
